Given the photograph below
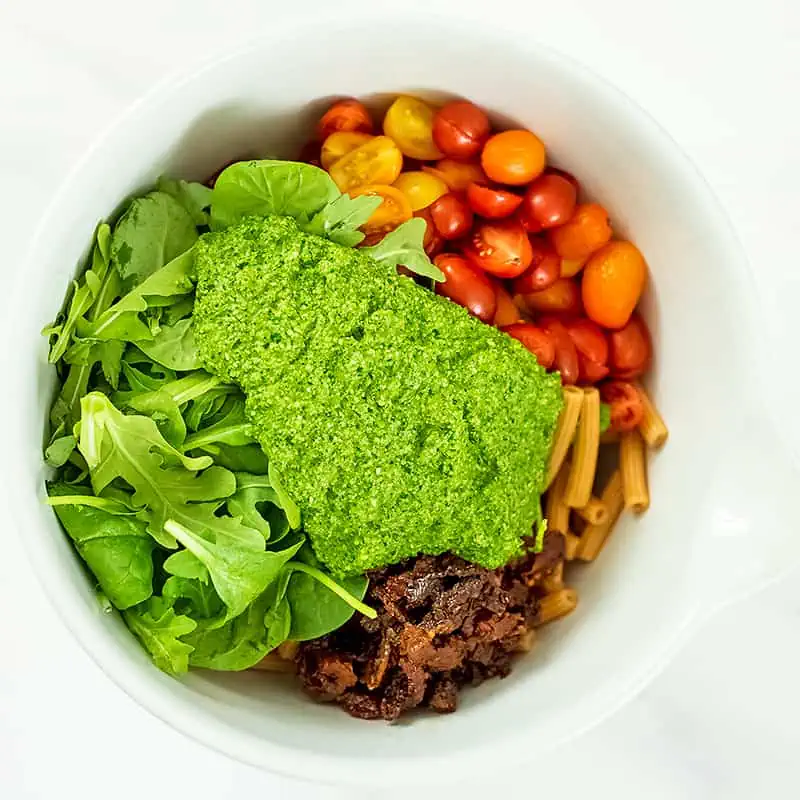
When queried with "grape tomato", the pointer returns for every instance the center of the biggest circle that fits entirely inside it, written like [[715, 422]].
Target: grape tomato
[[538, 341], [409, 122], [377, 161], [459, 129], [563, 297], [631, 349], [451, 216], [543, 272], [421, 188], [566, 354], [491, 202], [467, 286], [549, 201], [501, 247], [432, 242], [613, 281], [345, 115], [587, 231]]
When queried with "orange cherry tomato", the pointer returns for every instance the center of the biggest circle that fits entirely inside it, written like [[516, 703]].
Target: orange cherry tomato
[[501, 247], [467, 286], [563, 297], [613, 282], [409, 121], [345, 115], [543, 272], [393, 210], [572, 266], [432, 242], [627, 409], [507, 312], [458, 175], [566, 361], [631, 349], [376, 161], [513, 157], [539, 342], [490, 202], [451, 216], [421, 188], [592, 347], [549, 201], [587, 231], [340, 144], [460, 128]]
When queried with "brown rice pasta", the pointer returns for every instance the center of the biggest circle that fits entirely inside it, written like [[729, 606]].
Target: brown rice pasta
[[594, 536], [594, 512], [556, 604], [567, 423], [653, 429], [584, 451], [633, 465]]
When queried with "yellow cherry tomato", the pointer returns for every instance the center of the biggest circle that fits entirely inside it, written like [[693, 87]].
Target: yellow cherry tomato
[[421, 188], [409, 122], [394, 209], [377, 161], [340, 144]]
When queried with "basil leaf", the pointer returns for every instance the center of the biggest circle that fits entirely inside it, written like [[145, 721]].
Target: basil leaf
[[404, 247]]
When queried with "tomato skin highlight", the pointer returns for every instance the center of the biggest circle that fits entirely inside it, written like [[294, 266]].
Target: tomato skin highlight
[[563, 297], [490, 202], [586, 232], [627, 410], [467, 286], [543, 272], [534, 339], [458, 175], [549, 201], [409, 122], [501, 247], [345, 115], [613, 282], [451, 216], [566, 354], [630, 349], [513, 157], [460, 128], [507, 312]]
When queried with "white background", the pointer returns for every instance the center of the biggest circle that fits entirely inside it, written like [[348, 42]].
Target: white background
[[723, 721]]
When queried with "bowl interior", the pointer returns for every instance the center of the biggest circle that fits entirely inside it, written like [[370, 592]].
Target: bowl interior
[[264, 100]]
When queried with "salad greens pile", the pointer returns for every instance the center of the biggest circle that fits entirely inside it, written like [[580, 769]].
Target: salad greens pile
[[157, 478]]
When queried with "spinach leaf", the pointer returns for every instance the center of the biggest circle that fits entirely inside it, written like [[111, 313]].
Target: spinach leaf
[[193, 597], [247, 458], [58, 452], [340, 220], [158, 628], [194, 197], [174, 346], [184, 565], [284, 501], [117, 549], [403, 246]]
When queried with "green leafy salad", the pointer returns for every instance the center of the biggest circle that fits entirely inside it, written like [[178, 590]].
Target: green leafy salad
[[251, 414]]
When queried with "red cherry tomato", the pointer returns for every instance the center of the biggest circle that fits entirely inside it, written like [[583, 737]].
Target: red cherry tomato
[[432, 241], [566, 361], [549, 201], [460, 129], [592, 347], [467, 286], [500, 247], [591, 372], [562, 173], [563, 297], [631, 349], [451, 216], [490, 202], [544, 271], [507, 313], [627, 409], [344, 115], [534, 339]]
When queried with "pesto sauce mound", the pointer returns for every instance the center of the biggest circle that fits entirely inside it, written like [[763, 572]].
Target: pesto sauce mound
[[397, 422]]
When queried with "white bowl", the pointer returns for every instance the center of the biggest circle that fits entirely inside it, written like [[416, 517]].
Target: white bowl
[[721, 488]]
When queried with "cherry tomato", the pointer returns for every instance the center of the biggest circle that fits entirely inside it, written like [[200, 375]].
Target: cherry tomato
[[501, 247], [344, 115], [572, 266], [549, 201], [432, 241], [393, 210], [591, 372], [626, 404], [631, 349], [613, 281], [340, 144], [566, 361], [507, 313], [421, 188], [563, 297], [375, 161], [543, 272], [310, 153], [587, 231], [467, 286], [592, 347], [458, 175], [490, 202], [409, 122], [534, 339], [562, 173], [460, 129], [451, 216], [513, 157]]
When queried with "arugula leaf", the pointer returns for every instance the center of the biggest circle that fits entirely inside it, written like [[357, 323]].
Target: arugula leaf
[[404, 247], [158, 628], [253, 493], [174, 346], [605, 417], [247, 458], [340, 220], [184, 565], [59, 451], [194, 197], [284, 501], [193, 597], [231, 428]]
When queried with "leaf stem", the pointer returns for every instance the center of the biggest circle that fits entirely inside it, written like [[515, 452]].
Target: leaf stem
[[329, 583]]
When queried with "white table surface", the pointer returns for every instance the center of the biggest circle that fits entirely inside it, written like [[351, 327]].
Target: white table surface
[[722, 77]]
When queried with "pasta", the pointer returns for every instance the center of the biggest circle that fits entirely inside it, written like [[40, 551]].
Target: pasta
[[556, 604], [594, 537], [567, 422], [556, 510], [594, 512], [653, 429], [555, 580], [571, 544], [633, 465], [584, 451], [272, 662]]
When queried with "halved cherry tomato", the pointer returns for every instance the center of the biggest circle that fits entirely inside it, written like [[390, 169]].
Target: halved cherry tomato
[[590, 371], [458, 175], [421, 188], [432, 241], [592, 347], [563, 297], [460, 128], [513, 157], [566, 361], [572, 266], [340, 144], [345, 115], [631, 349], [613, 281], [507, 313], [627, 409], [393, 210], [491, 202], [501, 247], [467, 286], [539, 342], [587, 231], [549, 201], [377, 161], [409, 121], [451, 216], [543, 272]]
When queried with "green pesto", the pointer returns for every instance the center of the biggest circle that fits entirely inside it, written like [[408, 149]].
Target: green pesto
[[397, 422]]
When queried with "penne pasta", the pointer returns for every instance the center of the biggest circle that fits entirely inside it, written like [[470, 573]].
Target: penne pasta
[[288, 650], [565, 430], [584, 452], [556, 510], [653, 429], [557, 604], [595, 536], [571, 544], [272, 662], [633, 465], [555, 580], [594, 512], [526, 642]]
